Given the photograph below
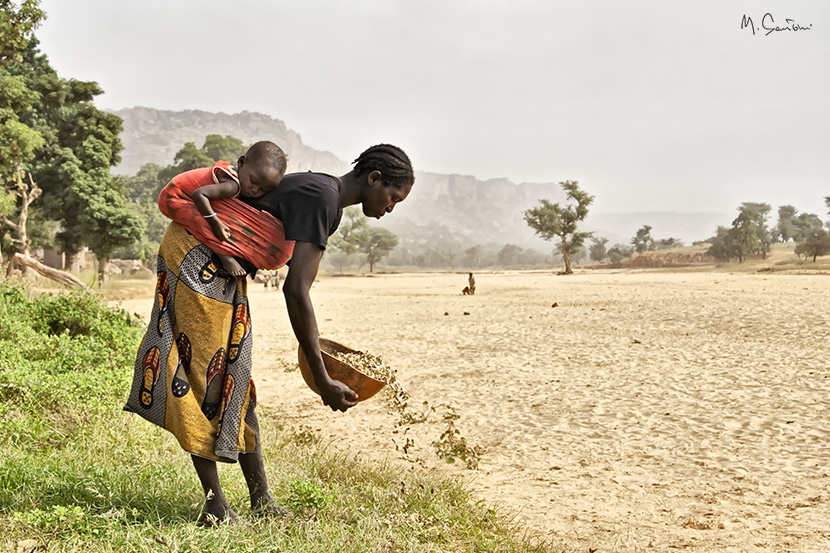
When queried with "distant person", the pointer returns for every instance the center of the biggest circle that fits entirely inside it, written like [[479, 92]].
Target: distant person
[[259, 171], [193, 368], [471, 284]]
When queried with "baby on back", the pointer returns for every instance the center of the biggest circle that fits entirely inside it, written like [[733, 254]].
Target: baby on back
[[258, 171]]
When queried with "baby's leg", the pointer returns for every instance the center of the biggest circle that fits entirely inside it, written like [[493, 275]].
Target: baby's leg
[[231, 265]]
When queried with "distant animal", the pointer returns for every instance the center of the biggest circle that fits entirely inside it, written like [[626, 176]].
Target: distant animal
[[466, 291]]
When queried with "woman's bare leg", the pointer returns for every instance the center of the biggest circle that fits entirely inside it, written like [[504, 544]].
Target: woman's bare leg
[[254, 470], [216, 508]]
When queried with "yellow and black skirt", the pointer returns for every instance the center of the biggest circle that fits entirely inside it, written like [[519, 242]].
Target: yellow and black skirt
[[193, 369]]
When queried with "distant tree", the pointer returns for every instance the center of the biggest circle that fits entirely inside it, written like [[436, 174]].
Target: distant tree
[[643, 241], [744, 235], [598, 250], [580, 254], [107, 225], [352, 233], [508, 255], [827, 203], [784, 229], [141, 192], [721, 244], [803, 224], [668, 243], [761, 212], [379, 242], [472, 257], [551, 220], [189, 157], [226, 148], [618, 252], [817, 243]]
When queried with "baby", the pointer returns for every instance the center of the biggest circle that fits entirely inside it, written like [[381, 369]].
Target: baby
[[258, 171]]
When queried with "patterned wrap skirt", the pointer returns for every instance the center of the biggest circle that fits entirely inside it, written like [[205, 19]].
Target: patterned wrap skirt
[[193, 369]]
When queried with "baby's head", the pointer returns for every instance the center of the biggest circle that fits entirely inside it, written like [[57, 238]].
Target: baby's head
[[261, 169]]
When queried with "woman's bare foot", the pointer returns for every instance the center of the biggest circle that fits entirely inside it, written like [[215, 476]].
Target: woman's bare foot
[[231, 265], [265, 506], [215, 512]]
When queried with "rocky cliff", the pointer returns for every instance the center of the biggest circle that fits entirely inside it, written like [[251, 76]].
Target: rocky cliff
[[443, 209]]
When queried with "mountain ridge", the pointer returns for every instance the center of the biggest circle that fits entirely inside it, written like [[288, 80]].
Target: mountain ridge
[[443, 208]]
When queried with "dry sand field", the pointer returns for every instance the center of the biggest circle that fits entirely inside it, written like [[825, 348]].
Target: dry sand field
[[615, 411]]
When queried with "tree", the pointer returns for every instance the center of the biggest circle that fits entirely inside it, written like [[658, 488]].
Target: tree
[[551, 220], [598, 250], [761, 211], [618, 252], [19, 140], [803, 224], [744, 235], [72, 166], [643, 241], [472, 257], [379, 242], [227, 148], [784, 229], [668, 243], [352, 232], [721, 244], [508, 255], [816, 244]]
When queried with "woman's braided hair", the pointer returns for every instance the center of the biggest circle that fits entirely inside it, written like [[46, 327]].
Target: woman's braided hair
[[392, 162]]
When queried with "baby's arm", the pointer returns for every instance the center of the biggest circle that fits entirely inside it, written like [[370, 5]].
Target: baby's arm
[[202, 196]]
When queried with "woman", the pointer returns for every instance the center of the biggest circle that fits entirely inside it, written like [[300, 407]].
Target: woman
[[201, 389]]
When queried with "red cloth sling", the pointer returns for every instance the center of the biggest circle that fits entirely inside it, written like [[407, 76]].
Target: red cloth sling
[[256, 236]]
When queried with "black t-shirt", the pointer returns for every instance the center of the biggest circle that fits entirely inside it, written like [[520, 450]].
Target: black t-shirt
[[308, 204]]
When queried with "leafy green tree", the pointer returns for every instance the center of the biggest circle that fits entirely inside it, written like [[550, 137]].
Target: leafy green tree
[[817, 243], [141, 192], [761, 211], [598, 249], [784, 229], [73, 165], [551, 220], [227, 148], [643, 241], [377, 245], [18, 140]]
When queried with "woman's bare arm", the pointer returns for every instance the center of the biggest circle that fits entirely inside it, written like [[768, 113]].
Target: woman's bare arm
[[302, 271]]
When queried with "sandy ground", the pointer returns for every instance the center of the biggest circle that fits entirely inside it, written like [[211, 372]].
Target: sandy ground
[[644, 411]]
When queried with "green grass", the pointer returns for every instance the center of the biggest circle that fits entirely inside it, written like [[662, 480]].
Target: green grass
[[79, 474]]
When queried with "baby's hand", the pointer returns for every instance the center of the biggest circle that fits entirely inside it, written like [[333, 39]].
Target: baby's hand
[[222, 232]]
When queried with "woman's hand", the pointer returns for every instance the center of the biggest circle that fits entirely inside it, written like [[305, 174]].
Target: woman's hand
[[338, 396]]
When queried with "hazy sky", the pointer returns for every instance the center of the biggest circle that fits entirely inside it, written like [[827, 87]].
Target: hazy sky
[[650, 105]]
